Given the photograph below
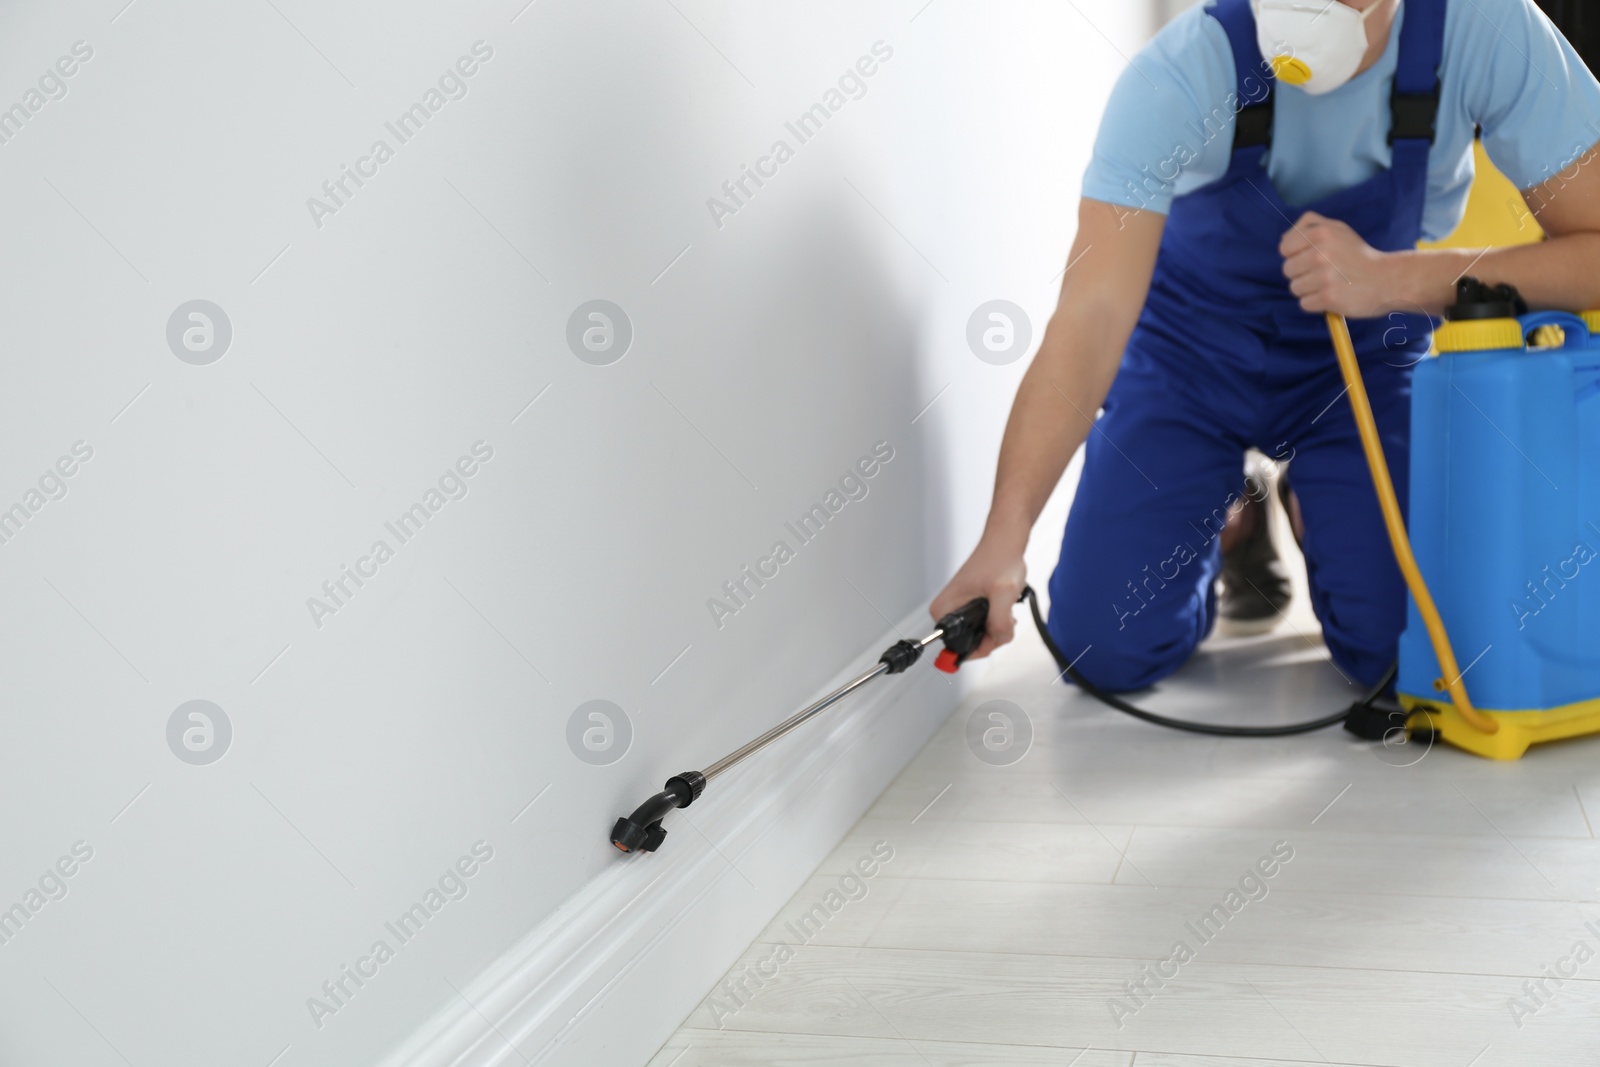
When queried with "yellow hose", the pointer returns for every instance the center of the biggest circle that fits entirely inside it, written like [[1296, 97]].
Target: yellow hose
[[1397, 527]]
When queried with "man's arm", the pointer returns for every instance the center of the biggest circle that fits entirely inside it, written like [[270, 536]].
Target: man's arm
[[1101, 296], [1332, 269]]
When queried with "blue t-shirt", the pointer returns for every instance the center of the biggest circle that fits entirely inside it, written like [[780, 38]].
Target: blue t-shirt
[[1168, 128]]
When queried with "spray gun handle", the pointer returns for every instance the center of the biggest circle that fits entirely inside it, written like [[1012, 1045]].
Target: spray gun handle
[[962, 632]]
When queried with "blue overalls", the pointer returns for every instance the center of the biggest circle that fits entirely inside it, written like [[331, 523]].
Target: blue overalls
[[1222, 359]]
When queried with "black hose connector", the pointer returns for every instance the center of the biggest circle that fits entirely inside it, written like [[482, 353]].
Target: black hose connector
[[688, 785], [1372, 722], [642, 831], [901, 655]]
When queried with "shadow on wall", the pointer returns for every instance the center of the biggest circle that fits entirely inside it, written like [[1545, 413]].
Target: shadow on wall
[[770, 354]]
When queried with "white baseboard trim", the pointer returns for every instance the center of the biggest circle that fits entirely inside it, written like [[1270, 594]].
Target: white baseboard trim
[[608, 977]]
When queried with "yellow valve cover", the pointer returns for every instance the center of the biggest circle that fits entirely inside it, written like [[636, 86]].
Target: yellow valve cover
[[1290, 71]]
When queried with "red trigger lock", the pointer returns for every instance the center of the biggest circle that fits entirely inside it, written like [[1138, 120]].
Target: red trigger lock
[[947, 661]]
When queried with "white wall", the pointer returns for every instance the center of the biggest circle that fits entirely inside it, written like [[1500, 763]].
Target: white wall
[[1166, 10], [368, 353]]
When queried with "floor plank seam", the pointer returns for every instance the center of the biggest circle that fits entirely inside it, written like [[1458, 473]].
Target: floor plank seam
[[1224, 885], [1273, 828], [1420, 972], [1044, 1048], [1578, 796]]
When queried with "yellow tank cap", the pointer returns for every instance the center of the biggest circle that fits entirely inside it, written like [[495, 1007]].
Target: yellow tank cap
[[1591, 319], [1477, 335]]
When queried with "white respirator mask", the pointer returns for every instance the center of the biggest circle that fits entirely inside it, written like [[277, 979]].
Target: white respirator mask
[[1314, 45]]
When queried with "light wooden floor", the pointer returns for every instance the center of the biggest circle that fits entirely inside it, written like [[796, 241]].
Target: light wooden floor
[[1425, 888]]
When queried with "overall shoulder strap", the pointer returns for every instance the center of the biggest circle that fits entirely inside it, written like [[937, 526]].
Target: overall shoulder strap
[[1414, 104], [1255, 83]]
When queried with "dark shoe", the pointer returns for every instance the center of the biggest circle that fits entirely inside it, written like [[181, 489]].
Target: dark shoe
[[1255, 584]]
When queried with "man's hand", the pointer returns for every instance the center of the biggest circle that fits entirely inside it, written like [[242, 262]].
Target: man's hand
[[992, 571], [1331, 268]]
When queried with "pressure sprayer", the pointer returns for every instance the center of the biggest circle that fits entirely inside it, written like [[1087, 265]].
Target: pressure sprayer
[[1495, 422]]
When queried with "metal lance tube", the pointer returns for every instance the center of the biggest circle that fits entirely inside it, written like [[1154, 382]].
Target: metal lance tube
[[805, 713]]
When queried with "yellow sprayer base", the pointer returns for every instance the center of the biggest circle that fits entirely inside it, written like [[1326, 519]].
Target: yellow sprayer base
[[1518, 729]]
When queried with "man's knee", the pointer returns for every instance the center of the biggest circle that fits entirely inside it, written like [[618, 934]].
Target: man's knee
[[1362, 614], [1362, 660], [1123, 653]]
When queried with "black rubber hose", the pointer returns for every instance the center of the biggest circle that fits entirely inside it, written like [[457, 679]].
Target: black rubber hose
[[1114, 701]]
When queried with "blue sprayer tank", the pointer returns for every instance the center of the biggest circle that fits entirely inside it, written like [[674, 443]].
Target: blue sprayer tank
[[1505, 522]]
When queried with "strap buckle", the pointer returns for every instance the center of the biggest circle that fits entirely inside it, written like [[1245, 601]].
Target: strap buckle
[[1253, 125], [1413, 116]]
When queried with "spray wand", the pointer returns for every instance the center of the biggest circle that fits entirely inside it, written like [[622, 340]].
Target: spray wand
[[961, 630]]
